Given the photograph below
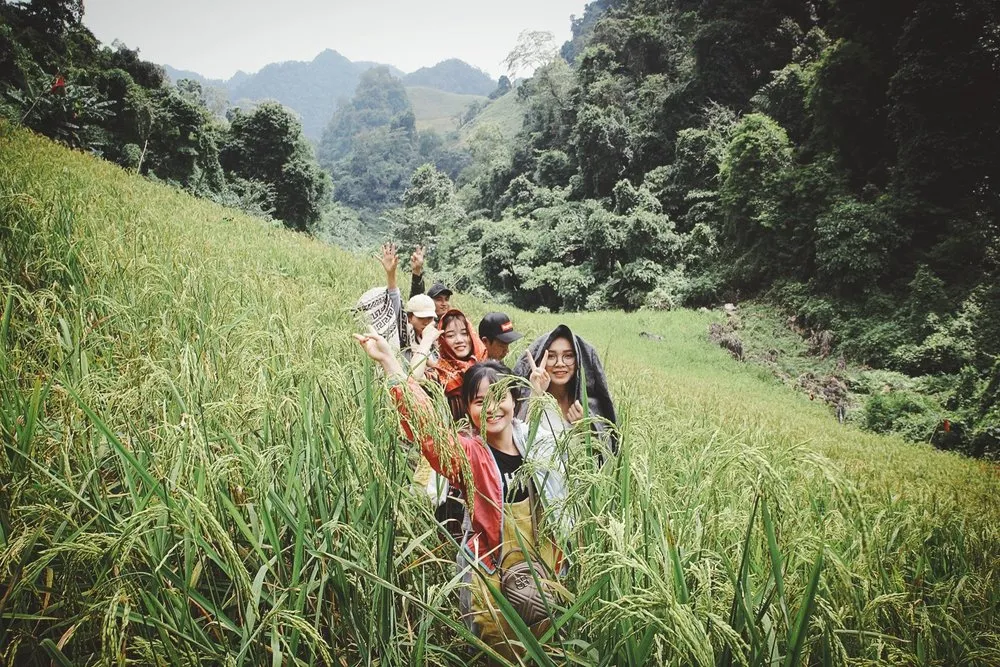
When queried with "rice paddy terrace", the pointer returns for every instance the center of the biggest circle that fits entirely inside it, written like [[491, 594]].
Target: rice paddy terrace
[[198, 465]]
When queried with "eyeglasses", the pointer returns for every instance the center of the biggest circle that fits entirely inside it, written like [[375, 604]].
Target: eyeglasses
[[567, 358]]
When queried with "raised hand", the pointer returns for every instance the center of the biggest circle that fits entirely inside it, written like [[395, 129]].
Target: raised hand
[[574, 413], [389, 257], [539, 377], [417, 261], [376, 347], [430, 336]]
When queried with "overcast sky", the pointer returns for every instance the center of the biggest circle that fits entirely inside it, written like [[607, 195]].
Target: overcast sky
[[218, 37]]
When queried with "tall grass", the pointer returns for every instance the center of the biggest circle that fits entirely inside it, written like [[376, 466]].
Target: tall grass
[[198, 466]]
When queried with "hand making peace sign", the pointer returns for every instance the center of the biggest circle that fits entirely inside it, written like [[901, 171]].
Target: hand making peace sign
[[417, 261], [539, 377]]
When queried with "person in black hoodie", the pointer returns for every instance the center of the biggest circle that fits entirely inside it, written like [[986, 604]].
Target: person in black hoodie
[[568, 360]]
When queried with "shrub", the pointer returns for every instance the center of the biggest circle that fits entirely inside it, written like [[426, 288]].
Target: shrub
[[909, 414], [853, 243]]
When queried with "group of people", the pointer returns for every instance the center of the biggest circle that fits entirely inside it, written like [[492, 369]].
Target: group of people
[[507, 523]]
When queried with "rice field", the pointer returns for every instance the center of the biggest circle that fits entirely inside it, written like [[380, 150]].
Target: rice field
[[199, 466]]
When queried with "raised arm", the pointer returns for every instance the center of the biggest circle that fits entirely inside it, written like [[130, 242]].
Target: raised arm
[[417, 271], [390, 262], [422, 424]]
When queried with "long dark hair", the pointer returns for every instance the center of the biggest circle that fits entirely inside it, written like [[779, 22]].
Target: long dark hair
[[492, 371]]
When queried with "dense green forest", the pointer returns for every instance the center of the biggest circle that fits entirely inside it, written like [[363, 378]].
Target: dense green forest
[[837, 159]]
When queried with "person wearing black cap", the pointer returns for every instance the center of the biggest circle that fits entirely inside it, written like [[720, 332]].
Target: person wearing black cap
[[442, 299], [438, 292], [497, 332]]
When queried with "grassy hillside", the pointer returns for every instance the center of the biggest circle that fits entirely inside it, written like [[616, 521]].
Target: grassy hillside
[[436, 109], [504, 112], [200, 466]]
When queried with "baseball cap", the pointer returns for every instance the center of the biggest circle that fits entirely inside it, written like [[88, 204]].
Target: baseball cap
[[437, 289], [420, 305], [497, 326]]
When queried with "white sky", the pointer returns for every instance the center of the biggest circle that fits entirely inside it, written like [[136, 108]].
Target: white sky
[[218, 37]]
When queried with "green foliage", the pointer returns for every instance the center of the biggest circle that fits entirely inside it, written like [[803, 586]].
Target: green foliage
[[847, 107], [784, 99], [900, 411], [429, 210], [504, 86], [62, 83], [554, 169], [601, 140], [371, 145], [267, 145], [855, 242], [751, 176]]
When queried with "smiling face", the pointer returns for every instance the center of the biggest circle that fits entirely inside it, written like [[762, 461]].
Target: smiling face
[[457, 336], [498, 414], [561, 364], [442, 304]]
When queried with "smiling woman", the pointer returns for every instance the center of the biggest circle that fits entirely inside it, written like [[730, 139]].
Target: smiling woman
[[460, 349], [578, 382]]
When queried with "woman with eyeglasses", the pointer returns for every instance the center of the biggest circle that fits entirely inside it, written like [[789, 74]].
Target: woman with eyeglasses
[[577, 378]]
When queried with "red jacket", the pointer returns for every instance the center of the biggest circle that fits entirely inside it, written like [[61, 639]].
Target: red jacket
[[481, 474]]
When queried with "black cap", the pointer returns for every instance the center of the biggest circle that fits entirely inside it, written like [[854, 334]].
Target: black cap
[[497, 326], [437, 289]]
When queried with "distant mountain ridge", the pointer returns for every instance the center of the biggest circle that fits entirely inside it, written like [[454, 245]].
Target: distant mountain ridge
[[315, 88], [452, 76]]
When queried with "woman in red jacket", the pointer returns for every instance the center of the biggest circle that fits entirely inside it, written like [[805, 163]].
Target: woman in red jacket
[[502, 543]]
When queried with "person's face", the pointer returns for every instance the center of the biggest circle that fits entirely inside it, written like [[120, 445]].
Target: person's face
[[419, 324], [496, 348], [562, 361], [442, 304], [458, 338], [498, 414]]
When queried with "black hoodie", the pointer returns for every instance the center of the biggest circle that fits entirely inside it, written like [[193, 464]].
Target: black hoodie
[[598, 396]]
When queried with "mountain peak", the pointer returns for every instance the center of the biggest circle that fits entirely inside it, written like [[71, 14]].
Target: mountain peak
[[454, 76], [329, 55]]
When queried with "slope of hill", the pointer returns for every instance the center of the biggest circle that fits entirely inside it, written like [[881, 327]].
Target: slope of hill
[[453, 76], [436, 110], [504, 112], [199, 466]]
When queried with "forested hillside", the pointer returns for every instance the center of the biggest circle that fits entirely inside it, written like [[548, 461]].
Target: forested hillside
[[57, 80], [838, 158], [314, 89]]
